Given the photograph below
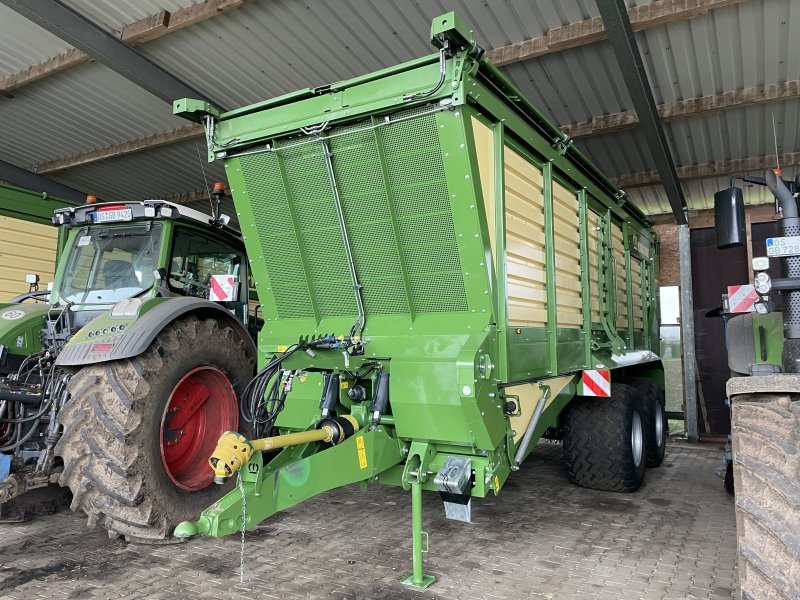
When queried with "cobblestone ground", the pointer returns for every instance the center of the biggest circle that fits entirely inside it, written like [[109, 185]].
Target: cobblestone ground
[[541, 538]]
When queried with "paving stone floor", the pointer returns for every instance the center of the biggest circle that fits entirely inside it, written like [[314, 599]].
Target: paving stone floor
[[541, 538]]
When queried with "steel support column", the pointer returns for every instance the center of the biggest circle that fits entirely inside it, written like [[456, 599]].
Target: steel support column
[[626, 51], [19, 177], [687, 333], [72, 27]]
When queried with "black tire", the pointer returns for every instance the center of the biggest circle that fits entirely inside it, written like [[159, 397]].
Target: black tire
[[766, 464], [112, 430], [654, 418], [598, 441], [36, 502], [730, 487]]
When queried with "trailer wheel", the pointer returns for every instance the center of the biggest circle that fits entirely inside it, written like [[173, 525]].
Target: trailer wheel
[[766, 464], [605, 441], [134, 465], [654, 418]]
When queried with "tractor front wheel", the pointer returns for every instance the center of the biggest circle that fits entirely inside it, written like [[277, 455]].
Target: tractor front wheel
[[137, 433], [766, 469]]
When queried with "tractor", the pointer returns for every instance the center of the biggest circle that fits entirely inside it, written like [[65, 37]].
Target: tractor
[[764, 393], [118, 381]]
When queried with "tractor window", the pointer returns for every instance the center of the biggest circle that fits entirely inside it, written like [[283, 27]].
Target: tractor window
[[109, 264], [195, 258]]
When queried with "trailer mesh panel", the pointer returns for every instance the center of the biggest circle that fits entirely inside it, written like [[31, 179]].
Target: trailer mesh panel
[[385, 175]]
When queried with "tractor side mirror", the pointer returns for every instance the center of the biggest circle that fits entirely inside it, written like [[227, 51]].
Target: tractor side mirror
[[729, 218]]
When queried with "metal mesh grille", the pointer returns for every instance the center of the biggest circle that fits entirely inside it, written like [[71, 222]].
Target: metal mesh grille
[[414, 171], [279, 245], [790, 267]]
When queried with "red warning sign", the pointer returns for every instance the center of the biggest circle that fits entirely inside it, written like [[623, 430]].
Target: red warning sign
[[224, 288], [596, 383], [742, 298]]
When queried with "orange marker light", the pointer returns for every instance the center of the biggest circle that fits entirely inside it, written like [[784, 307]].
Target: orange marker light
[[219, 186], [777, 171], [91, 199]]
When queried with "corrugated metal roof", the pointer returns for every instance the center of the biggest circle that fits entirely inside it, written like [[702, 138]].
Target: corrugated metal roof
[[158, 173], [77, 110], [699, 194], [267, 48], [618, 153], [113, 14], [735, 133], [574, 85], [23, 44]]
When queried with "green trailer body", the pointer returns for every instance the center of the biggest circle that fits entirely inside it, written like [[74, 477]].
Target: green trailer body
[[495, 264]]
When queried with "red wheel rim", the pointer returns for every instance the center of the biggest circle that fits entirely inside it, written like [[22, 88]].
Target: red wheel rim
[[200, 409]]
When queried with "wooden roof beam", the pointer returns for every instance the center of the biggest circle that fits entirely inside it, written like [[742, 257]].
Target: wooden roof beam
[[642, 17], [715, 169], [149, 28], [192, 197], [149, 142], [690, 108], [580, 33], [702, 106]]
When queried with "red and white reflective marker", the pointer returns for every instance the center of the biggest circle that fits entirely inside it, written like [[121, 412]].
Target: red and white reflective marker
[[596, 383], [742, 298], [224, 288]]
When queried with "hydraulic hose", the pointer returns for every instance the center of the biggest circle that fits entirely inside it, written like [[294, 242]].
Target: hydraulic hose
[[438, 86], [361, 320], [25, 438], [263, 398]]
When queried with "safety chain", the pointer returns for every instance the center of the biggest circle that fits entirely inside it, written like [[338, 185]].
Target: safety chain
[[244, 522]]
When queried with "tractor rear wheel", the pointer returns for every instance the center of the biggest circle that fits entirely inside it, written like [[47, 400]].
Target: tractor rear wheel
[[766, 471], [137, 433], [605, 440]]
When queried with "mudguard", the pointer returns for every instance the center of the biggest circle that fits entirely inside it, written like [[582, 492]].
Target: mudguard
[[127, 331], [21, 326]]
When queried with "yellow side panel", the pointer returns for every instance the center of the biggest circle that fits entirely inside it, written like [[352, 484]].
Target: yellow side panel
[[528, 395], [620, 281], [594, 235], [25, 248], [638, 293], [525, 257], [567, 234], [484, 148]]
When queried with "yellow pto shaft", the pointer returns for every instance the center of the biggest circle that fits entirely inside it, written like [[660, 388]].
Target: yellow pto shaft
[[234, 450]]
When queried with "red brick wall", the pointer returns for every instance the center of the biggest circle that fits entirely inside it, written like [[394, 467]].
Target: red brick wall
[[669, 264]]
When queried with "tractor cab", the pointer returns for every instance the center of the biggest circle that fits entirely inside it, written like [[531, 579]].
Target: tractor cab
[[135, 251]]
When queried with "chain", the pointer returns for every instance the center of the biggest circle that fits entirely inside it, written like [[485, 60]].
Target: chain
[[244, 521]]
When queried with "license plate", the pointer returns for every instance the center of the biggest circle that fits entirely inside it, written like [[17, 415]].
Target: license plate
[[784, 246], [107, 216]]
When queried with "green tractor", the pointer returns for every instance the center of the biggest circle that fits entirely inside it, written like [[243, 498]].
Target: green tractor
[[119, 384], [764, 392]]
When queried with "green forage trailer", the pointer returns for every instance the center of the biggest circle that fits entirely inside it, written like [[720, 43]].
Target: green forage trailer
[[446, 279]]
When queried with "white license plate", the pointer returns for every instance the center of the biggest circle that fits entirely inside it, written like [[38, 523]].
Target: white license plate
[[107, 216], [784, 246]]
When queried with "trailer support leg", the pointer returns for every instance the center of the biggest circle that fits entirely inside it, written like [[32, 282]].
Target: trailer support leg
[[417, 578]]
